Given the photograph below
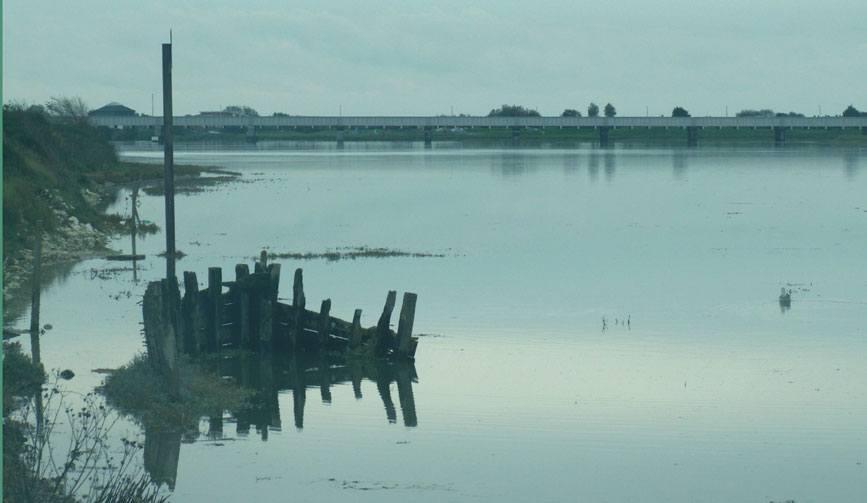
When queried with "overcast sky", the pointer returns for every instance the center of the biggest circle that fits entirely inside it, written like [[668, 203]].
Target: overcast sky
[[427, 58]]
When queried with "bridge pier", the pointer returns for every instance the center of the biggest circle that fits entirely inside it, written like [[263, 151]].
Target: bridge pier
[[339, 137], [692, 136], [603, 136], [251, 133], [864, 131], [516, 134], [779, 135], [428, 136]]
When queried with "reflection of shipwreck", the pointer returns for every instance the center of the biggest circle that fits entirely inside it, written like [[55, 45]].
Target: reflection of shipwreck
[[248, 316], [269, 375]]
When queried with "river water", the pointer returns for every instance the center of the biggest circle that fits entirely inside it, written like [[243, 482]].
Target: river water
[[602, 325]]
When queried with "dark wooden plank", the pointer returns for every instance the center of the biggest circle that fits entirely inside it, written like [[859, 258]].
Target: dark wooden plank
[[404, 327], [215, 305], [384, 339], [242, 272], [298, 303], [355, 335], [324, 324], [189, 314]]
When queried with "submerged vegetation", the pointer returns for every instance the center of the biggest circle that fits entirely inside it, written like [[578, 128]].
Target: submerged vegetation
[[139, 391], [352, 254]]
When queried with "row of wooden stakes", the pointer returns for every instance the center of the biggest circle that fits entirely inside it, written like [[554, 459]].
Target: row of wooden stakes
[[249, 316]]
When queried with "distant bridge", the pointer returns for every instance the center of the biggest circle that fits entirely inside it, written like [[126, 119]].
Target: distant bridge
[[603, 124]]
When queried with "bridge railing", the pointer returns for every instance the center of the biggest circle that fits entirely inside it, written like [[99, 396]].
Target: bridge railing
[[367, 122]]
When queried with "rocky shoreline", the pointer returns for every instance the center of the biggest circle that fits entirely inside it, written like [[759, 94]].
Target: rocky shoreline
[[71, 240]]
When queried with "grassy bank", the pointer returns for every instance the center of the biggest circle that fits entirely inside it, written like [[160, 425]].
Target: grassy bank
[[54, 171]]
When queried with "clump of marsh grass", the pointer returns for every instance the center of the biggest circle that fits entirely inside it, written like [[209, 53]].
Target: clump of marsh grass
[[137, 390]]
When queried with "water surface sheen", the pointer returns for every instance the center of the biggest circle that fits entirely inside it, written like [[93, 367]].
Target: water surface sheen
[[604, 325]]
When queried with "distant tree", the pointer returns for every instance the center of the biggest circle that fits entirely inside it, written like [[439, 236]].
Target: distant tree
[[851, 112], [241, 111], [610, 111], [593, 110], [67, 109], [756, 113], [790, 114], [570, 113], [513, 111], [679, 112]]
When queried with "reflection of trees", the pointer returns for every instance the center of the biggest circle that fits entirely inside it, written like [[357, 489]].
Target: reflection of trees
[[851, 158], [678, 163], [609, 165], [593, 165], [512, 164]]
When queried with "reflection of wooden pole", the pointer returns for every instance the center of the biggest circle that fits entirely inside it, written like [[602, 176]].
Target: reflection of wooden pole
[[404, 394], [34, 306], [383, 382], [133, 218]]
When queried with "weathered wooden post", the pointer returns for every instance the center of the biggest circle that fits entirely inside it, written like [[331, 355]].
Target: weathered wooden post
[[266, 316], [169, 160], [384, 340], [215, 305], [404, 327], [273, 292], [298, 305], [355, 338], [190, 314], [160, 334], [324, 325], [242, 273], [34, 299]]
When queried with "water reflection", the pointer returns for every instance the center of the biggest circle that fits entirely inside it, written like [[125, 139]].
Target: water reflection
[[593, 165], [851, 159], [162, 450], [268, 375], [570, 163], [512, 164], [678, 163], [609, 165]]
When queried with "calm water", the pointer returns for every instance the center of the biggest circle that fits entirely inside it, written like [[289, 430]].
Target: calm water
[[711, 393]]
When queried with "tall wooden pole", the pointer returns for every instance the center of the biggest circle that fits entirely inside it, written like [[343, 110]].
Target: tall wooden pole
[[34, 306], [168, 144]]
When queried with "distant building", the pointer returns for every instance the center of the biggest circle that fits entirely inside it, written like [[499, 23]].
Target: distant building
[[113, 109]]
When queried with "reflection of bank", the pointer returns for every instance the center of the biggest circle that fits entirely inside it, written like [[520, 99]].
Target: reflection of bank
[[267, 376]]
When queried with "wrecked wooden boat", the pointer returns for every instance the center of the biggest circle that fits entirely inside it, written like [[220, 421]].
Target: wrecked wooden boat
[[249, 316]]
